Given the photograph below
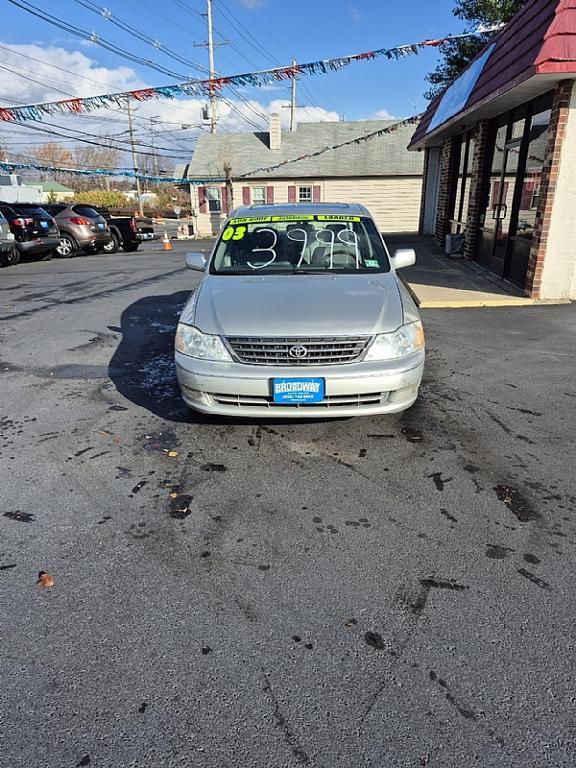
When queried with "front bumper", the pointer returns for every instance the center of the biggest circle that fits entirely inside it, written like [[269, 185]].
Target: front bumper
[[235, 389]]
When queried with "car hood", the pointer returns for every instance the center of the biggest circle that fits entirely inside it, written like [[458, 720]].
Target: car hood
[[295, 305]]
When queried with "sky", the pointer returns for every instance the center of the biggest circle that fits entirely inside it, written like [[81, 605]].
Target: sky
[[254, 34]]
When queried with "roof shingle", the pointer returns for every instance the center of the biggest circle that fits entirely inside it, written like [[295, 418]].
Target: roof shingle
[[246, 152]]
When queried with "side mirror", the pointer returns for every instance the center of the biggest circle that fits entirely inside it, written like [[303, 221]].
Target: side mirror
[[403, 257], [196, 261]]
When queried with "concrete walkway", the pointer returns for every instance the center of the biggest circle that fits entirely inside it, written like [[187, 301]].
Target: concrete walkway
[[438, 281]]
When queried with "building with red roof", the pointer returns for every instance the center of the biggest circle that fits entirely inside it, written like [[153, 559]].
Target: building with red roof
[[500, 154]]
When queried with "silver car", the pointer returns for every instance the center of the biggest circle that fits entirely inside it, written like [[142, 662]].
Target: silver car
[[300, 313]]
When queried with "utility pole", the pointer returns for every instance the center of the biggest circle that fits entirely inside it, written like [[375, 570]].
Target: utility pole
[[293, 105], [211, 67], [293, 99], [134, 158], [212, 71], [153, 142]]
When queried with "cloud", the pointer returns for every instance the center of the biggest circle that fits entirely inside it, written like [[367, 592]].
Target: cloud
[[382, 114], [36, 80], [355, 14], [251, 4]]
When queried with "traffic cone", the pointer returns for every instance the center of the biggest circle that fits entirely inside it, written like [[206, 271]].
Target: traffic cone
[[166, 244]]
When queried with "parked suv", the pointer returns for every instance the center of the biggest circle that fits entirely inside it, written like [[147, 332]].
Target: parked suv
[[34, 230], [81, 229], [8, 252]]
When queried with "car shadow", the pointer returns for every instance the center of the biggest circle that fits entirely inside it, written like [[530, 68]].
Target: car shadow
[[142, 367]]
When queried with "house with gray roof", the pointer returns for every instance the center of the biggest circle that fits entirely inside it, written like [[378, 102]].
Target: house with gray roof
[[229, 169]]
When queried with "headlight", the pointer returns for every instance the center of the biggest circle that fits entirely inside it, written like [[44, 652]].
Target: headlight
[[389, 346], [190, 341]]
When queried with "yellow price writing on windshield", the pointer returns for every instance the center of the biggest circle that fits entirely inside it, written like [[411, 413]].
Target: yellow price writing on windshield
[[233, 233]]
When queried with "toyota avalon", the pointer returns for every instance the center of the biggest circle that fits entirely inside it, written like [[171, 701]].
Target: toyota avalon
[[300, 313]]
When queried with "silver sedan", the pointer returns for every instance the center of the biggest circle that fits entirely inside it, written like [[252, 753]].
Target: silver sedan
[[300, 313]]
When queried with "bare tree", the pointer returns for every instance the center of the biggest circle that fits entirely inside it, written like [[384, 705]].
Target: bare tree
[[54, 156]]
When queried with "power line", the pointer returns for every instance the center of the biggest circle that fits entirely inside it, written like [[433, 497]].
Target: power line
[[142, 36], [93, 38]]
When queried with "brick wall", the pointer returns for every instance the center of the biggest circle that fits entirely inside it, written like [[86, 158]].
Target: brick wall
[[446, 189], [477, 202], [556, 132]]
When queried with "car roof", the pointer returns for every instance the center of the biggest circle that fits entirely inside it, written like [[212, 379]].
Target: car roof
[[289, 209]]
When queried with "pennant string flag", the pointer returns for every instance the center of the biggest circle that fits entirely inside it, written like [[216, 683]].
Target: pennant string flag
[[203, 88], [127, 174]]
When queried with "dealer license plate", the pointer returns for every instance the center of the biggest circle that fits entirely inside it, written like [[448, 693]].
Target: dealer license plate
[[297, 391]]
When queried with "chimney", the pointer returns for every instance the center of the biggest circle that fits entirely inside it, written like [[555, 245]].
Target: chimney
[[275, 131]]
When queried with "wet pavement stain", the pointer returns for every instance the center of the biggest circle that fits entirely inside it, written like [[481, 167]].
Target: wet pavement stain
[[532, 559], [439, 481], [412, 434], [180, 507], [516, 503], [143, 707], [7, 567], [211, 467], [20, 517], [496, 552], [117, 408], [535, 579], [83, 762], [448, 516], [443, 584], [374, 640], [206, 650], [466, 713]]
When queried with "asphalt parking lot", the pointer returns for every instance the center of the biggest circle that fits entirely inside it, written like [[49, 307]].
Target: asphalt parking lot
[[390, 591]]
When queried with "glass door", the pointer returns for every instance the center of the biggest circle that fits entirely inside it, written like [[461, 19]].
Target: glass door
[[498, 209], [527, 199]]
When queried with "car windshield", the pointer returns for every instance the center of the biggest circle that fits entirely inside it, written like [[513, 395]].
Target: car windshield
[[30, 210], [85, 210], [299, 244]]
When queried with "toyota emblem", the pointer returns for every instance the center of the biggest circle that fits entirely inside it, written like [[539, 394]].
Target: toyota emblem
[[298, 351]]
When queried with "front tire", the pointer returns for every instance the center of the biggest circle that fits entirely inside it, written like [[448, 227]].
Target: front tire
[[67, 248], [113, 246]]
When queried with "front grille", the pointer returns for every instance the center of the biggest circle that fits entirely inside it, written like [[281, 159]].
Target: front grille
[[320, 350], [329, 402]]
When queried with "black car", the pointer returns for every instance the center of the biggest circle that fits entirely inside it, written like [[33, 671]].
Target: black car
[[35, 231], [126, 232]]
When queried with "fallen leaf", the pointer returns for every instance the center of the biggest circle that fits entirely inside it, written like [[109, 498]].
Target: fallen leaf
[[173, 495], [45, 580], [172, 454], [115, 440]]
